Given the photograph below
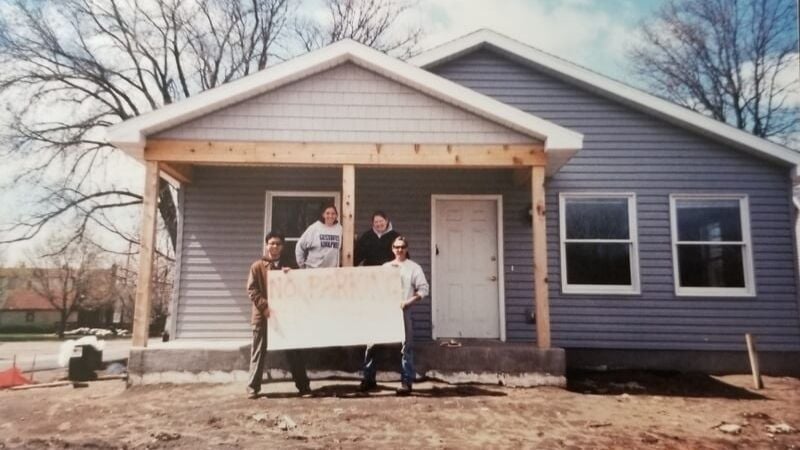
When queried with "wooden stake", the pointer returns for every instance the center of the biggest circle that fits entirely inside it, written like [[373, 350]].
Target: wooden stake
[[33, 366], [540, 258], [751, 351]]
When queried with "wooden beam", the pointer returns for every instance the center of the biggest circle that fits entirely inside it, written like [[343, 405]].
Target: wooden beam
[[540, 258], [180, 172], [348, 214], [321, 154], [144, 285]]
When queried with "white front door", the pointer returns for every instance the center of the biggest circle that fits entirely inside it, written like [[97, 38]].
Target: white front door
[[466, 278]]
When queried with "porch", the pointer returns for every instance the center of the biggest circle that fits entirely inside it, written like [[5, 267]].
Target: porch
[[411, 186]]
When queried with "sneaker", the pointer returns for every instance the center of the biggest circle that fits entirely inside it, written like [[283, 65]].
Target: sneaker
[[367, 386], [253, 395], [403, 390], [305, 392]]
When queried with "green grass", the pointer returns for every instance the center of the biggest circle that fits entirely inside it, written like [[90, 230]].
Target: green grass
[[17, 337]]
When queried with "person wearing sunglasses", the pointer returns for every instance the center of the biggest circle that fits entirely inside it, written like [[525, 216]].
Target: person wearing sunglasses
[[257, 291], [415, 287]]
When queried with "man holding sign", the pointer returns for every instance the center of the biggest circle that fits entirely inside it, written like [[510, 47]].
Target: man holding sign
[[257, 291]]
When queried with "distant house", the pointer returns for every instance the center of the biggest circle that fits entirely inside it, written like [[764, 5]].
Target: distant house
[[25, 307], [25, 310], [547, 204]]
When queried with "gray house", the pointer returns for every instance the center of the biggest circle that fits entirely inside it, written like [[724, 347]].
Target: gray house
[[665, 238]]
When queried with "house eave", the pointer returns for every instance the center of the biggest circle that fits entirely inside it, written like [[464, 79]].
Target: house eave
[[131, 135], [609, 88]]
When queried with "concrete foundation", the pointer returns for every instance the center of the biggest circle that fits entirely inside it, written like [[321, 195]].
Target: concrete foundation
[[710, 362], [486, 362]]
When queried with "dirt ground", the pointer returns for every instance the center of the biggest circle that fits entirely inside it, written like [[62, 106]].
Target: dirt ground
[[598, 410]]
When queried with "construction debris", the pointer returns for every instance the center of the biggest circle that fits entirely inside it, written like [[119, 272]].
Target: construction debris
[[780, 428], [730, 428]]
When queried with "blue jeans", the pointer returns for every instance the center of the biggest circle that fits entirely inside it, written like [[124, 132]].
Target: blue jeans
[[407, 373]]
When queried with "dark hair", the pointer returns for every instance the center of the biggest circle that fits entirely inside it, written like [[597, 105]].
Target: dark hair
[[274, 234], [380, 214], [404, 240], [325, 208]]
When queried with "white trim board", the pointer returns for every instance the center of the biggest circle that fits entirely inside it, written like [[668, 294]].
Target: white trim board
[[607, 87], [131, 134], [501, 279]]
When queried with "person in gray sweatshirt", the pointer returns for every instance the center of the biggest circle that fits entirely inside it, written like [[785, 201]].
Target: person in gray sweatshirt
[[320, 244], [415, 288]]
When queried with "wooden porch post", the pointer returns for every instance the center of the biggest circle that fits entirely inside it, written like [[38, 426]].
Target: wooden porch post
[[540, 258], [144, 285], [348, 216]]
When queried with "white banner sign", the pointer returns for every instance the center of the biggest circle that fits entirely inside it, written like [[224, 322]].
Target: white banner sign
[[313, 308]]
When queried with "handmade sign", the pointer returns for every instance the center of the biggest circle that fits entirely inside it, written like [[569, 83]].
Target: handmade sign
[[313, 308]]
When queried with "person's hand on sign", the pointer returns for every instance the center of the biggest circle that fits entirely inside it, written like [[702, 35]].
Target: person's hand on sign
[[409, 302]]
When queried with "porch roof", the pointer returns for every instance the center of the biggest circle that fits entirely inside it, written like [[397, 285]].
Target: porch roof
[[131, 135]]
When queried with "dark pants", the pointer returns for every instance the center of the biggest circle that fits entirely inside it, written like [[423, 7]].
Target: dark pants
[[258, 357]]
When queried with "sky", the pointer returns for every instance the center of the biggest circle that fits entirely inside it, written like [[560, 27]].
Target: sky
[[591, 33]]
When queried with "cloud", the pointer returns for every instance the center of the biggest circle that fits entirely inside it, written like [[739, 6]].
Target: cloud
[[590, 33]]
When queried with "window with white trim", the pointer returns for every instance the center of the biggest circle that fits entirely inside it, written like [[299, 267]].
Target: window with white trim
[[599, 249], [711, 246], [291, 212]]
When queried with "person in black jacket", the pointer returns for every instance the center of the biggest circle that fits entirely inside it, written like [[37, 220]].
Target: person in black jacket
[[374, 247]]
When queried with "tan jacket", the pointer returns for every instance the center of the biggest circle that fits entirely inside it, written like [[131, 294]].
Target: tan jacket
[[257, 290]]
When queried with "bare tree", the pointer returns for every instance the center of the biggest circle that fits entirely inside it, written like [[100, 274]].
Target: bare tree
[[735, 60], [70, 280], [371, 22], [74, 67], [125, 292]]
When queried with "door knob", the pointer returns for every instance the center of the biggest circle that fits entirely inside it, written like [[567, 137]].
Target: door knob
[[493, 278]]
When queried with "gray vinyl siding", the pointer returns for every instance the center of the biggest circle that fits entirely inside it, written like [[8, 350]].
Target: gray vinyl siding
[[345, 104], [223, 232], [628, 151], [223, 226]]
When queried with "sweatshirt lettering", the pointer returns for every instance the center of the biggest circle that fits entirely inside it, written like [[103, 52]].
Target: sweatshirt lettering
[[329, 241]]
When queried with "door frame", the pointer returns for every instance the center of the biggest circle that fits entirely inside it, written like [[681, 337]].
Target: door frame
[[501, 284]]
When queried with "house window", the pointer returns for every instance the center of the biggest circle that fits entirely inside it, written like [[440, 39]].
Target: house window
[[30, 317], [711, 247], [599, 251], [290, 213]]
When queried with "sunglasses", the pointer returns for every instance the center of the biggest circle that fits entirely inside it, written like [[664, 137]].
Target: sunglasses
[[400, 247]]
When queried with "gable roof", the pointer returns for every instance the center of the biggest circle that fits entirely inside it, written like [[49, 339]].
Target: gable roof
[[607, 87], [26, 299], [131, 134]]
